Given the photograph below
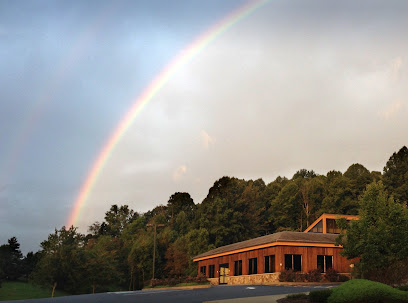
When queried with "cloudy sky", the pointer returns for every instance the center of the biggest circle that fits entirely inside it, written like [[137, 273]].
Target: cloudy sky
[[296, 84]]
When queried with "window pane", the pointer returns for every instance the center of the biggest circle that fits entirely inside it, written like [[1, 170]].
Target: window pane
[[318, 228], [211, 270], [238, 268], [288, 262], [267, 264], [329, 262], [297, 262], [320, 263], [252, 266]]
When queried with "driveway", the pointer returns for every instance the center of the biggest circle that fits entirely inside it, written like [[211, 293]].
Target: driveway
[[185, 295]]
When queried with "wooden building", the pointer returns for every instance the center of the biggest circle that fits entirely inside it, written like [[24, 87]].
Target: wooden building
[[260, 260]]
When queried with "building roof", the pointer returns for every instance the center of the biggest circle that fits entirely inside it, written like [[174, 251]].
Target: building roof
[[273, 239]]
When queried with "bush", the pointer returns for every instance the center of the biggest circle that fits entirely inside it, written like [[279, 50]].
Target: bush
[[332, 275], [287, 275], [314, 275], [319, 296], [359, 290], [201, 278], [403, 288]]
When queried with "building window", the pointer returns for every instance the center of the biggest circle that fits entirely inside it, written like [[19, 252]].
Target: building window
[[202, 270], [332, 227], [238, 268], [211, 271], [318, 228], [293, 262], [324, 262], [269, 263], [252, 266]]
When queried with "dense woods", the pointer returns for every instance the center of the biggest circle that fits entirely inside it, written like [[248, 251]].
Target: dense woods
[[119, 250]]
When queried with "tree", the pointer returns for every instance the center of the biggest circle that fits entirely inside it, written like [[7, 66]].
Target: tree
[[396, 175], [379, 238], [285, 208], [177, 258], [11, 260], [179, 202], [338, 195], [62, 262], [102, 262], [359, 177], [304, 173], [117, 218]]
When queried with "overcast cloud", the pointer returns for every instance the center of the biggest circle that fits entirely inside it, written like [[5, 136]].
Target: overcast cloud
[[297, 84]]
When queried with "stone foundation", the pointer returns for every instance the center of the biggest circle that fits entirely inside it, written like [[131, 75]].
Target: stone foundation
[[259, 279]]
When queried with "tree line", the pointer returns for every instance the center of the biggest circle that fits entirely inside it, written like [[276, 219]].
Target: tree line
[[119, 250]]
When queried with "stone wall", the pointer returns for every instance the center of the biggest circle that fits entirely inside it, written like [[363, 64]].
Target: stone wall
[[259, 279]]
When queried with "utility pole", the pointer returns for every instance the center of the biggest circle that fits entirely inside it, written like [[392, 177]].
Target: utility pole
[[154, 243]]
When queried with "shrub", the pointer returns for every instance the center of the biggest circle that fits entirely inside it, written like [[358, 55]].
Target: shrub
[[201, 278], [332, 275], [314, 275], [319, 296], [300, 277], [403, 288], [287, 275], [359, 290]]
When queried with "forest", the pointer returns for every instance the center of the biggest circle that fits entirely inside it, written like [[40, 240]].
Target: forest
[[119, 250]]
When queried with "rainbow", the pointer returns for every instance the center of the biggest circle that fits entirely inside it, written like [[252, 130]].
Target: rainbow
[[192, 50]]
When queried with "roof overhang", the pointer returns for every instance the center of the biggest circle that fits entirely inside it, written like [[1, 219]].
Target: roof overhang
[[277, 243]]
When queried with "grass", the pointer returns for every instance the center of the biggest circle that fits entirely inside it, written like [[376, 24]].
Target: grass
[[22, 291], [360, 291]]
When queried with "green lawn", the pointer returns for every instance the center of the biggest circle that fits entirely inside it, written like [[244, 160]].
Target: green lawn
[[21, 291]]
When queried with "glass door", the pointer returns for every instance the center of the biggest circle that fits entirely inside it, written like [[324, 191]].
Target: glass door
[[224, 273]]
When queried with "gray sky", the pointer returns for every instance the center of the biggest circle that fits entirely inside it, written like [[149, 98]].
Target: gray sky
[[297, 84]]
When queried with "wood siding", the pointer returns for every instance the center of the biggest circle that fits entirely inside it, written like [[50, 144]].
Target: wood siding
[[309, 259]]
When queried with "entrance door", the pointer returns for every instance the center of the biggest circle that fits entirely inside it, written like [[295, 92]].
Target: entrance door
[[224, 273]]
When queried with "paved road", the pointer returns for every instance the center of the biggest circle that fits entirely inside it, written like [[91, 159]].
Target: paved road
[[181, 295]]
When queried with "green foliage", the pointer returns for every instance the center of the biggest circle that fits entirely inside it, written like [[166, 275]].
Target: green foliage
[[102, 263], [11, 260], [396, 175], [379, 238], [62, 261], [117, 218], [359, 290], [320, 296]]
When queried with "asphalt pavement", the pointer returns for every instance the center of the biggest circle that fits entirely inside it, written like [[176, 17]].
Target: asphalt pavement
[[235, 293]]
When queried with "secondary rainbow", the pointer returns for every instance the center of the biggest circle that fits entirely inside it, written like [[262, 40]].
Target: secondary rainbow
[[151, 90]]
